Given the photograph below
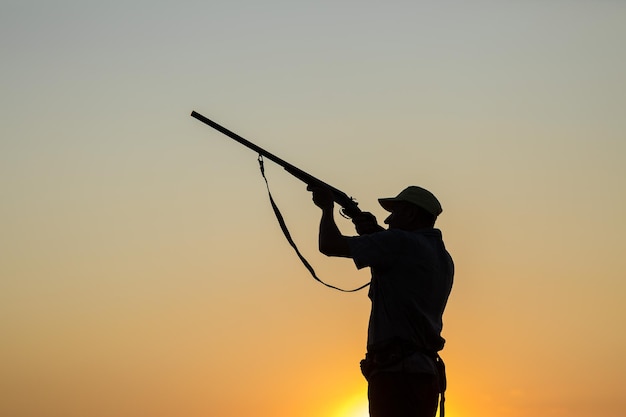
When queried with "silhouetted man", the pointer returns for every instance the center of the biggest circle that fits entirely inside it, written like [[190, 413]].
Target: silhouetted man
[[412, 275]]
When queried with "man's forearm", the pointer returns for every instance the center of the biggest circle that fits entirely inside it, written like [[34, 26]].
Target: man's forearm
[[331, 241]]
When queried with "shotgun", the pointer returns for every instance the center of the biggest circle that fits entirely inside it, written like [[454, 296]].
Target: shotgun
[[349, 205]]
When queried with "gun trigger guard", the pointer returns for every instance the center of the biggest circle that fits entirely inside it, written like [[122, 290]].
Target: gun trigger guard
[[342, 211]]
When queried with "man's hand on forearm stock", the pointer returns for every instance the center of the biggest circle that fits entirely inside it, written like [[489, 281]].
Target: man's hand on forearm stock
[[331, 241], [322, 197]]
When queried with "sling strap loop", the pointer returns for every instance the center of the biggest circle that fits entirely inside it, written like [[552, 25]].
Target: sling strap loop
[[283, 227]]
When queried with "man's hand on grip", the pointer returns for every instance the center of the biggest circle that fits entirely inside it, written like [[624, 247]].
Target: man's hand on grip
[[365, 223]]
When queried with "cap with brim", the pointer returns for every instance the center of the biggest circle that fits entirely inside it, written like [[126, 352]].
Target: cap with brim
[[414, 195]]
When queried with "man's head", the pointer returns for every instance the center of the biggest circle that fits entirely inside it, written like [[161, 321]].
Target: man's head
[[414, 208]]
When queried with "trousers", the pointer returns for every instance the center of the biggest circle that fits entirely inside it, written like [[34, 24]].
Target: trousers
[[398, 394]]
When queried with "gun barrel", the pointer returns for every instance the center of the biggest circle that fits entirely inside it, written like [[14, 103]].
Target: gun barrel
[[349, 205], [241, 140]]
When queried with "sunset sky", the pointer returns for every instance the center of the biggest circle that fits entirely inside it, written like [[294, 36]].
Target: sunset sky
[[142, 271]]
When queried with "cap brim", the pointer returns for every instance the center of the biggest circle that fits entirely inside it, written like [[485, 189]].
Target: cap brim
[[387, 203]]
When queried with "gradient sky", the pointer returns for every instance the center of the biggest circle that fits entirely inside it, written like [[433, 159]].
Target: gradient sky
[[142, 271]]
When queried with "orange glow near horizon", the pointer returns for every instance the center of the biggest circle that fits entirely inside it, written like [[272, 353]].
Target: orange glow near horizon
[[354, 406]]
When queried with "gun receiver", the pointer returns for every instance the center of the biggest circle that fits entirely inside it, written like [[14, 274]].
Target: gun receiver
[[349, 206]]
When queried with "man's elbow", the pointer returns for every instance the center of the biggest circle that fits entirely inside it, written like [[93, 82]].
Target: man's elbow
[[326, 249]]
